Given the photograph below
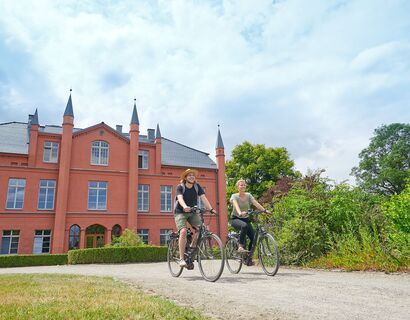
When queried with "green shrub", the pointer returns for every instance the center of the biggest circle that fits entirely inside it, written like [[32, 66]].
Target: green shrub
[[128, 239], [118, 255], [32, 260]]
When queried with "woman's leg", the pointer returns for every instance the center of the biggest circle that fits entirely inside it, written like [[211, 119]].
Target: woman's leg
[[251, 234], [242, 227]]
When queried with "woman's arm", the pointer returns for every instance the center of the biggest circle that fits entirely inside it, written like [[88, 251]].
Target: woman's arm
[[259, 206], [236, 206]]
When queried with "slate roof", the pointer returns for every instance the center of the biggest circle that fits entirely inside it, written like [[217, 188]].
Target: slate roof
[[14, 138]]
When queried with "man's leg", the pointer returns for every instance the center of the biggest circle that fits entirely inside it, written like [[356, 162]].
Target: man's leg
[[180, 221]]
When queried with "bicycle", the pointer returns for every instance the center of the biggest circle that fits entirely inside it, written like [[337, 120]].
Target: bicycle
[[268, 253], [209, 252]]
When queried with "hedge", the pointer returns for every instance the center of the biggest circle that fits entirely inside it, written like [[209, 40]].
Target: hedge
[[32, 260], [118, 255]]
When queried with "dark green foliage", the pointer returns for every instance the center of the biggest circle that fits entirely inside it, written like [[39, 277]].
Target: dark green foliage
[[32, 260], [385, 163], [118, 255], [261, 167]]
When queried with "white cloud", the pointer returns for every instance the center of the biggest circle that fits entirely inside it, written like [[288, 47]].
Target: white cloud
[[315, 77]]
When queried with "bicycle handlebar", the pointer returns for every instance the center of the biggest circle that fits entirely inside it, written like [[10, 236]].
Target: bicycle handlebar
[[196, 209]]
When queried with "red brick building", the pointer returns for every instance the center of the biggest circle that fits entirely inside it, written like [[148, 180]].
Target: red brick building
[[63, 187]]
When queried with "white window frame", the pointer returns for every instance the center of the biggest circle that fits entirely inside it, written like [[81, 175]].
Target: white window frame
[[164, 236], [144, 154], [50, 192], [144, 235], [143, 197], [14, 234], [99, 188], [50, 151], [100, 151], [166, 199], [39, 243], [15, 188]]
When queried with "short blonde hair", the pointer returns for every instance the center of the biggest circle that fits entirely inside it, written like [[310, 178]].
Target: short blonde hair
[[239, 181]]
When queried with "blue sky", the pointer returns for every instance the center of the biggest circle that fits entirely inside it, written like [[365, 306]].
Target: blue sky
[[315, 77]]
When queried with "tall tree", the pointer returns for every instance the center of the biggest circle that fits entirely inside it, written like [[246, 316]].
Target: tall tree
[[261, 167], [385, 163]]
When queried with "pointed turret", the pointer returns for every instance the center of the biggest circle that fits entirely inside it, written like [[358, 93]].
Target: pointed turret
[[133, 170], [134, 118], [221, 187], [158, 133], [69, 108], [34, 120], [219, 142]]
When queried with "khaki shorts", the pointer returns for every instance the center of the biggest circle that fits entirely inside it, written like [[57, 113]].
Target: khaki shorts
[[182, 218]]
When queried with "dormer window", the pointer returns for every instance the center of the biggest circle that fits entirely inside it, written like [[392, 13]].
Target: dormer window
[[143, 159], [99, 153], [50, 153]]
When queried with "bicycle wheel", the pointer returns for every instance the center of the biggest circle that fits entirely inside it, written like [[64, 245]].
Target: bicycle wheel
[[173, 258], [211, 257], [233, 258], [268, 254]]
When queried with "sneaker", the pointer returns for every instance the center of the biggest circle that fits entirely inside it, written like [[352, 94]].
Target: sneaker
[[242, 250], [182, 263]]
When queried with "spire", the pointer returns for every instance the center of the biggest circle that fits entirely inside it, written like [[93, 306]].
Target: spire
[[158, 133], [134, 119], [219, 143], [34, 120], [69, 109]]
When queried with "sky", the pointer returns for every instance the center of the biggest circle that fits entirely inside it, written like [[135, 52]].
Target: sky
[[315, 77]]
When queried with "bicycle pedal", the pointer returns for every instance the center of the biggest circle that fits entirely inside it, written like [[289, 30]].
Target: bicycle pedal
[[190, 266]]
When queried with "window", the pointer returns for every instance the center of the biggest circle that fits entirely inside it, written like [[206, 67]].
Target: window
[[164, 236], [97, 195], [46, 195], [143, 159], [15, 194], [74, 239], [143, 197], [42, 239], [99, 153], [116, 231], [50, 153], [166, 198], [10, 241], [144, 235]]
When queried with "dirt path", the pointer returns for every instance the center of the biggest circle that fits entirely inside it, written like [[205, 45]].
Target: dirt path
[[291, 294]]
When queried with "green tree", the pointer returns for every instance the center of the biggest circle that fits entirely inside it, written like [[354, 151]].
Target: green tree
[[261, 167], [384, 164]]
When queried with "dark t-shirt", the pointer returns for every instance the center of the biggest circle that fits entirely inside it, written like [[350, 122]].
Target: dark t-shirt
[[190, 196]]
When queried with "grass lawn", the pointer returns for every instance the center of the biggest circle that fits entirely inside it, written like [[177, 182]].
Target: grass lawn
[[48, 296]]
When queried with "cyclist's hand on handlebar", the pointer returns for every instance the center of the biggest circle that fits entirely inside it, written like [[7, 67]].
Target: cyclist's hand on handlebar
[[187, 209], [267, 211], [212, 211]]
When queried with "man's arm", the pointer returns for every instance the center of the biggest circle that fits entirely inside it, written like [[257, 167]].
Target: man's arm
[[207, 204], [181, 201]]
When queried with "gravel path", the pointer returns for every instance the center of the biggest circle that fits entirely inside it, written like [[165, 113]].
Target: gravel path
[[291, 294]]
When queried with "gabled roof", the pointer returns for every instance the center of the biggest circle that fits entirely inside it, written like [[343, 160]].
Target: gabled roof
[[101, 125]]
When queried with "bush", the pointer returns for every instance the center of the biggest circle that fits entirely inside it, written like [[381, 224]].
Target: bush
[[128, 239], [32, 260], [118, 255]]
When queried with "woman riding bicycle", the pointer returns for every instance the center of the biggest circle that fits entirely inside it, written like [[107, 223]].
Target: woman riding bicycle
[[241, 203]]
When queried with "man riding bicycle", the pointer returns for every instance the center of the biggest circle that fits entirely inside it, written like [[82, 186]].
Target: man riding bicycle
[[187, 194]]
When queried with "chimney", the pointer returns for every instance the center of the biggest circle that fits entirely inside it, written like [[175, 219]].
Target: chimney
[[151, 134], [118, 127]]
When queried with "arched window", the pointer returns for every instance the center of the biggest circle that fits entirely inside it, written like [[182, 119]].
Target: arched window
[[99, 153], [95, 236], [116, 231], [74, 239]]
